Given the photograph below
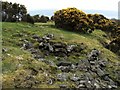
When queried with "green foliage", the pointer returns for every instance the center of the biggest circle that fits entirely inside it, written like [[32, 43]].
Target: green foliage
[[43, 19], [115, 45], [12, 12], [28, 18], [73, 19], [52, 18], [36, 18], [18, 64], [103, 23]]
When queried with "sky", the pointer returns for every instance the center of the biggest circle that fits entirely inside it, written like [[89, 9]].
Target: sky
[[96, 5]]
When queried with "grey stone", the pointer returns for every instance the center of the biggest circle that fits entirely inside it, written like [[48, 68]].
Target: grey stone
[[64, 68], [93, 68], [62, 77], [63, 86], [96, 85], [84, 65], [88, 84], [88, 74], [37, 56], [50, 81], [82, 81], [75, 79], [94, 54], [112, 83], [33, 51], [73, 67], [51, 49], [101, 73], [49, 62], [27, 45], [35, 36], [4, 49], [102, 63], [50, 35], [60, 45], [64, 63], [70, 47], [81, 86], [46, 38]]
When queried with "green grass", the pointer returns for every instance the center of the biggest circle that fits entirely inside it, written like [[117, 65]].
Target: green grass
[[15, 56]]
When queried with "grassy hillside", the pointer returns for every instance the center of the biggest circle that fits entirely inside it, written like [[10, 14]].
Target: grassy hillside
[[17, 62]]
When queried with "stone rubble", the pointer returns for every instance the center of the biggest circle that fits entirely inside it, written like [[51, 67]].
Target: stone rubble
[[93, 68]]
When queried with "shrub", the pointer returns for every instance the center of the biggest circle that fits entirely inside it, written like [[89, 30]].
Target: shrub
[[52, 18], [115, 45], [36, 18], [103, 23], [73, 19], [28, 18], [43, 19]]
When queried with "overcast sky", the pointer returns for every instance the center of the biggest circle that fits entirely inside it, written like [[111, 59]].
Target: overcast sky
[[111, 5], [100, 5]]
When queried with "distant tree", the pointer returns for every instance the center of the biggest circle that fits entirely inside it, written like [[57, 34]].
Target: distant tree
[[36, 18], [43, 19], [47, 18], [28, 18], [52, 18], [13, 12]]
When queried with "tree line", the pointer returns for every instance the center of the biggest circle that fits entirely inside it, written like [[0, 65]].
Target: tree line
[[13, 12]]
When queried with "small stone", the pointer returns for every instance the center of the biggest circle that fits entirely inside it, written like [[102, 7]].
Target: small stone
[[96, 85], [50, 81], [70, 48], [75, 79], [81, 86], [62, 77], [50, 48], [38, 56], [35, 37], [64, 68], [100, 72], [63, 86], [27, 45], [4, 50], [64, 63]]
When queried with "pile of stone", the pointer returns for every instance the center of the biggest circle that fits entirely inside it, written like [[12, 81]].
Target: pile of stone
[[47, 47], [93, 71], [93, 68]]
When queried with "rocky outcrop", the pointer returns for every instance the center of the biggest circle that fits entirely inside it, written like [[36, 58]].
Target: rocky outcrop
[[92, 69]]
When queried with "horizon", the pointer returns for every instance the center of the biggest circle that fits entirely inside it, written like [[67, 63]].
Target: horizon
[[107, 8], [50, 12]]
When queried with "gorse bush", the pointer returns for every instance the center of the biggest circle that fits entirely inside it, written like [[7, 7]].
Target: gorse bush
[[103, 23], [73, 19]]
